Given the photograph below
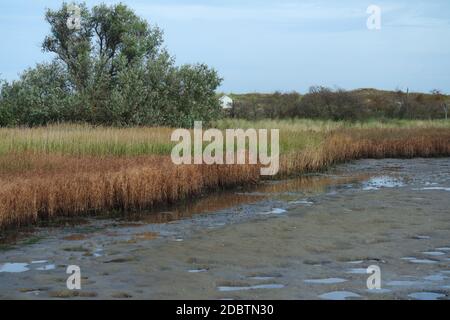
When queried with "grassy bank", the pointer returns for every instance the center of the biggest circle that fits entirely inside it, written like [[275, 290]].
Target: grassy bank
[[74, 169]]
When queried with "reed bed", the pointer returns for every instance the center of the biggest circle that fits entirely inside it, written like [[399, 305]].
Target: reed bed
[[75, 170], [352, 144], [110, 184]]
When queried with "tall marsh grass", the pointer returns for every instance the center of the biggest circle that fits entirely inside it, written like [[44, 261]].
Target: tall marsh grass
[[76, 169]]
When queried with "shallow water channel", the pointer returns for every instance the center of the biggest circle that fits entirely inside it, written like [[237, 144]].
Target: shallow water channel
[[306, 238]]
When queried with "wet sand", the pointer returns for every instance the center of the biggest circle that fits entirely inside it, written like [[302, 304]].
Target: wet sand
[[305, 238]]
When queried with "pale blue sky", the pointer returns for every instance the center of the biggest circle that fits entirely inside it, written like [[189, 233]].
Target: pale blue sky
[[268, 45]]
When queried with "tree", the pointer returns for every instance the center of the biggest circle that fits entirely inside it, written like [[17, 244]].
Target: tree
[[440, 99], [71, 45], [5, 110], [42, 95], [111, 68]]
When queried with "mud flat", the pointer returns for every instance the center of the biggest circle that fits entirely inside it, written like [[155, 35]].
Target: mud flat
[[306, 238]]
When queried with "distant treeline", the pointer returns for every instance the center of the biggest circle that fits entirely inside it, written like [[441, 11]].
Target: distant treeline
[[339, 104]]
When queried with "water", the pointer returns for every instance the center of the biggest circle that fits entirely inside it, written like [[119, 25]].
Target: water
[[197, 270], [426, 295], [377, 183], [326, 281], [423, 261], [434, 253], [14, 267], [435, 277], [255, 287], [46, 267], [306, 238], [357, 271], [339, 295]]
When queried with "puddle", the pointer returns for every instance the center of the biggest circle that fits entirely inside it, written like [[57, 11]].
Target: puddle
[[423, 261], [98, 252], [426, 295], [325, 281], [339, 295], [46, 267], [443, 249], [14, 267], [197, 270], [436, 277], [433, 253], [405, 283], [278, 211], [255, 287], [303, 202], [34, 292], [262, 278], [377, 183], [379, 291], [39, 262], [355, 262], [357, 271], [434, 188], [421, 237], [274, 211]]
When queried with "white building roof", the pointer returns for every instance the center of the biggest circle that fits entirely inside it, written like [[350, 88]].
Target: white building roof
[[226, 102]]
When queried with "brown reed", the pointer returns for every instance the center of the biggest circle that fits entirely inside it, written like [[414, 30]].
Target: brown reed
[[36, 186]]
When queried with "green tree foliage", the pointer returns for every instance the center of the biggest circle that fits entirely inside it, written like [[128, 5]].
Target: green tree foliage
[[42, 95], [112, 70]]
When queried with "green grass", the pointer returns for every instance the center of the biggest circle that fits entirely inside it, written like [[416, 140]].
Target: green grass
[[78, 140]]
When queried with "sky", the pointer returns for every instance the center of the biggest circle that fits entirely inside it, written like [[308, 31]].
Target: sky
[[273, 45]]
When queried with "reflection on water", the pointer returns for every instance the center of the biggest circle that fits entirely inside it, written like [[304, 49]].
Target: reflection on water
[[419, 261], [357, 271], [426, 295], [14, 267], [210, 203], [311, 184], [434, 253], [255, 287], [197, 270], [46, 267], [325, 281], [377, 183], [339, 295], [289, 190]]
